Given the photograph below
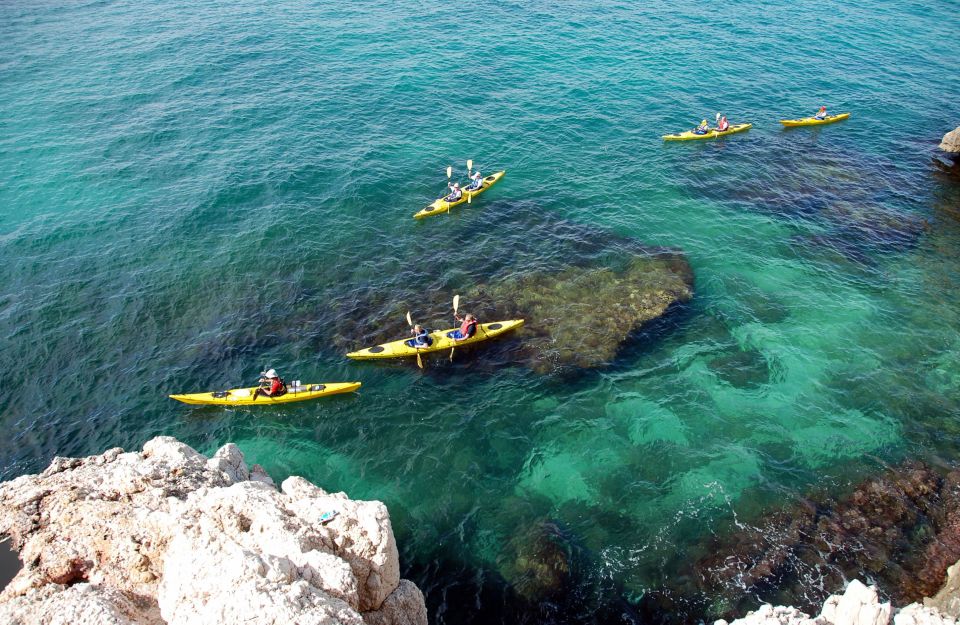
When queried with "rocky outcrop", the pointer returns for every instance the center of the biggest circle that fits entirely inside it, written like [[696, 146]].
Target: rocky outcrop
[[902, 528], [168, 536], [951, 141], [947, 601], [858, 605]]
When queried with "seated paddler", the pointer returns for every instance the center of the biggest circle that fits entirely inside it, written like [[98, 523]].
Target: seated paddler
[[477, 181], [455, 192], [702, 129], [468, 327], [421, 337], [271, 385]]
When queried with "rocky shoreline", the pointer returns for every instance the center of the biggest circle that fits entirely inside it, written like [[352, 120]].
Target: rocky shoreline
[[861, 605], [167, 536]]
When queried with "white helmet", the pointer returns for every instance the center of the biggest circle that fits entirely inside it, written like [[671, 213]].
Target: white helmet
[[271, 373]]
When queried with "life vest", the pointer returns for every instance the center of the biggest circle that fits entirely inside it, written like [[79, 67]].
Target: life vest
[[468, 328], [723, 125], [278, 386]]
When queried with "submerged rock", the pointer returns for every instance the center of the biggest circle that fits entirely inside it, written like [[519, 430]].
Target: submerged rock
[[168, 536], [580, 317], [539, 564], [902, 529], [951, 141]]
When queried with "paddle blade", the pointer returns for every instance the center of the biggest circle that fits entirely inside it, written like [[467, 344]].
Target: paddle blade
[[409, 319], [449, 171], [419, 360], [451, 353], [469, 197], [456, 302], [469, 163]]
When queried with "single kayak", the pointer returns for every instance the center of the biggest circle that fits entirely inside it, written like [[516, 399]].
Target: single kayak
[[813, 121], [712, 134], [441, 341], [244, 396], [442, 206]]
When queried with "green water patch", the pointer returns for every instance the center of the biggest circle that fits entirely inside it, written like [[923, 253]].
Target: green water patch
[[647, 421], [846, 436]]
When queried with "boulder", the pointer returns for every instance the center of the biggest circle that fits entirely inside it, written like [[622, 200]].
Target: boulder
[[951, 141], [168, 536]]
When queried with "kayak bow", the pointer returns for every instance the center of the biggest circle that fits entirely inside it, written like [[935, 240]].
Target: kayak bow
[[689, 135], [244, 396], [400, 349], [442, 206], [812, 121]]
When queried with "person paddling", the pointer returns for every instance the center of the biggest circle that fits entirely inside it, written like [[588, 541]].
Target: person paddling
[[271, 385], [468, 327], [821, 114], [477, 181], [421, 337], [722, 124], [702, 129], [455, 192]]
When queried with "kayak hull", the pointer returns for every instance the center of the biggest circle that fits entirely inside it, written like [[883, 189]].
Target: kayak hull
[[441, 342], [442, 206], [689, 135], [244, 396], [810, 121]]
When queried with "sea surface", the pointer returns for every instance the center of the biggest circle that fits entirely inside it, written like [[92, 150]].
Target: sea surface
[[192, 191]]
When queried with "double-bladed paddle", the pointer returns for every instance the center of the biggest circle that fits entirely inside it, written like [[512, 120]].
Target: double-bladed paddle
[[419, 360]]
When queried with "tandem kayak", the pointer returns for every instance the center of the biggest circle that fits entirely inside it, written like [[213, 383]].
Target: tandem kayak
[[442, 206], [244, 396], [812, 121], [402, 349], [713, 134]]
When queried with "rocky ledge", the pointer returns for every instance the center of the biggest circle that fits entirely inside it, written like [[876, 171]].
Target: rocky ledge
[[169, 536], [951, 141], [861, 605]]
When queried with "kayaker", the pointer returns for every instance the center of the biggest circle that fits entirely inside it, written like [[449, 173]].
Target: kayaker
[[821, 114], [455, 192], [702, 129], [271, 385], [477, 181], [421, 337], [722, 124], [468, 327]]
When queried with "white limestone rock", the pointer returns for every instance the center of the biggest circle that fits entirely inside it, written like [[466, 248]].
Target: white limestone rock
[[197, 541], [951, 141], [916, 614], [404, 606], [54, 604], [859, 605]]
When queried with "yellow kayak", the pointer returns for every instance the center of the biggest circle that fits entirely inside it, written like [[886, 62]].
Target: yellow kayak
[[244, 396], [689, 135], [442, 206], [812, 121], [401, 349]]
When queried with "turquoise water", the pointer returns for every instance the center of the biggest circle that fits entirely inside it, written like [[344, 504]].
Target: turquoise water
[[192, 191]]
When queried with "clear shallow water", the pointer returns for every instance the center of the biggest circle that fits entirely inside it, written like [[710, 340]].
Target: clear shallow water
[[190, 192]]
